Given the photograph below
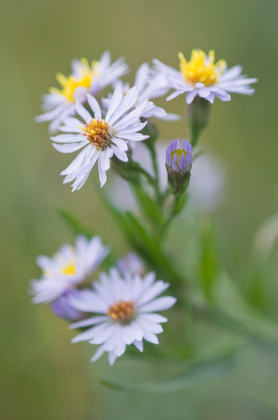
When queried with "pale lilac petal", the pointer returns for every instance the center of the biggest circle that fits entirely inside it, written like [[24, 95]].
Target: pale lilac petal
[[159, 304]]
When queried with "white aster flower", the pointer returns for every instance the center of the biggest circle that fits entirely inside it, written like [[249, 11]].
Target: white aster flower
[[125, 312], [101, 136], [148, 88], [203, 77], [85, 78], [69, 268]]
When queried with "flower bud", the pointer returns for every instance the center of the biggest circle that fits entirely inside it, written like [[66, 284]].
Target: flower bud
[[63, 309], [198, 115], [178, 165]]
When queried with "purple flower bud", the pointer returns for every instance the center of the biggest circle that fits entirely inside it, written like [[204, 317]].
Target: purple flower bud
[[131, 265], [63, 309], [178, 164]]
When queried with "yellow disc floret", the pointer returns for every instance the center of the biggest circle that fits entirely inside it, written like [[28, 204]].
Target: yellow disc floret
[[121, 311], [98, 132], [69, 269], [201, 68], [179, 153], [69, 84]]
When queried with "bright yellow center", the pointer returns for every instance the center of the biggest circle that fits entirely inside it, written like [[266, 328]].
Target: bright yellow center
[[98, 132], [180, 153], [69, 84], [121, 311], [201, 68], [69, 269]]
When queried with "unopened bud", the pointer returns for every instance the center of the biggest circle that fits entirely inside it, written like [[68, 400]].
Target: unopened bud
[[63, 308], [178, 165], [197, 115]]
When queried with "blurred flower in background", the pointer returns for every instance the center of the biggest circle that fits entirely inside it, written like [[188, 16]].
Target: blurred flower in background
[[203, 77], [68, 269], [126, 312], [85, 78], [148, 88]]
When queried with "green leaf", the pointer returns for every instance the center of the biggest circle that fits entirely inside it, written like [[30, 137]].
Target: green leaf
[[74, 224], [149, 248], [256, 288], [148, 207], [209, 263], [198, 372], [235, 312], [144, 243]]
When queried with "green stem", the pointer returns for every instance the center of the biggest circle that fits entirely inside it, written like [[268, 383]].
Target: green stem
[[178, 204], [146, 174], [151, 148]]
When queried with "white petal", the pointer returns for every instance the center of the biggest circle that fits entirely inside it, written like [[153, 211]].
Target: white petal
[[121, 144], [83, 112], [67, 138], [111, 358], [138, 344], [94, 106], [88, 321], [98, 354], [69, 148], [152, 338], [77, 162], [114, 103], [125, 105], [156, 289], [102, 174], [120, 154], [159, 304]]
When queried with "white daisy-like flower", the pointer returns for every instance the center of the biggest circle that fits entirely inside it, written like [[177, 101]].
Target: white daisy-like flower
[[101, 136], [124, 312], [85, 78], [203, 77], [148, 87], [67, 269]]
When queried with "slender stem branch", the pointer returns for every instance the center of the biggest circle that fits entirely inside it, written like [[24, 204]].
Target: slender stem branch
[[148, 176], [156, 172]]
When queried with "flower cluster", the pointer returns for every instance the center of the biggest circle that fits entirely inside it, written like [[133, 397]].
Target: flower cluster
[[102, 118], [104, 133], [119, 309]]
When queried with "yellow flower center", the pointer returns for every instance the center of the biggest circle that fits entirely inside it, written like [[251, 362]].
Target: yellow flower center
[[69, 269], [201, 68], [180, 153], [121, 311], [98, 132], [69, 84]]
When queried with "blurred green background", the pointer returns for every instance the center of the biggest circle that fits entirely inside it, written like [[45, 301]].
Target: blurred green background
[[42, 375]]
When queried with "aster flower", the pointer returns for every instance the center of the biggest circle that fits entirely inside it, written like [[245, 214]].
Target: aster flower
[[124, 312], [101, 136], [203, 77], [85, 78], [67, 269], [148, 87], [178, 164]]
